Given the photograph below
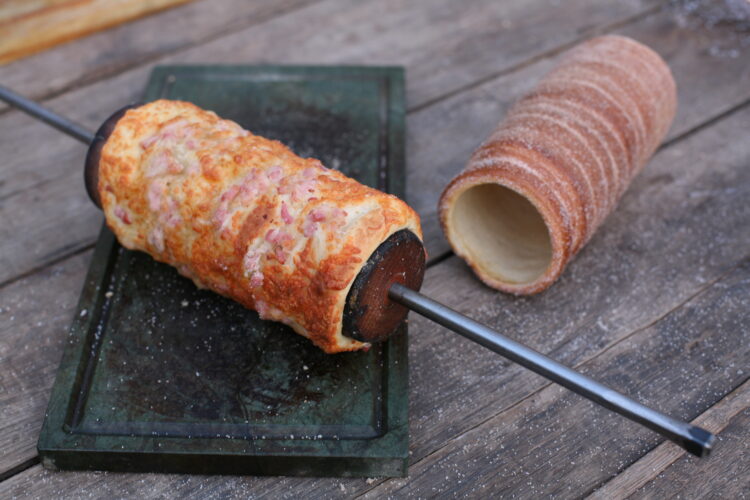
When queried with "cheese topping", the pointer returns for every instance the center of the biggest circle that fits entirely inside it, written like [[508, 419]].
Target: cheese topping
[[244, 216]]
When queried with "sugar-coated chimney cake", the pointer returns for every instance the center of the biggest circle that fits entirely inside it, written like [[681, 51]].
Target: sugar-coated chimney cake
[[536, 190]]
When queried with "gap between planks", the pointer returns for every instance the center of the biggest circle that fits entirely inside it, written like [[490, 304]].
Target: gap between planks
[[588, 33], [446, 255], [704, 124], [670, 446], [522, 64], [78, 249], [27, 464], [104, 75], [437, 259], [648, 467], [432, 261], [98, 76]]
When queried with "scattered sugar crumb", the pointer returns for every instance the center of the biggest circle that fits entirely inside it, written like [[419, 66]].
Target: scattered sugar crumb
[[84, 312], [185, 303]]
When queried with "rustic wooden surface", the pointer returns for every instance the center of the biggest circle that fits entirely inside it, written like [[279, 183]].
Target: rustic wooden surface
[[27, 26], [657, 304]]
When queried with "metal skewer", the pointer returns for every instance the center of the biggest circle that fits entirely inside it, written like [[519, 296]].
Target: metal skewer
[[694, 439], [49, 117]]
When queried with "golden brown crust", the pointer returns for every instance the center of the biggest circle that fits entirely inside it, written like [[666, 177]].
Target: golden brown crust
[[569, 148], [244, 216]]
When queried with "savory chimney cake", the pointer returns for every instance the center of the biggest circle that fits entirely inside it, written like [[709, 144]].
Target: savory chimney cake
[[244, 216]]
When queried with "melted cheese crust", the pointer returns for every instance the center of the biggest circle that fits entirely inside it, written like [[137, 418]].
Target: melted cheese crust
[[244, 216]]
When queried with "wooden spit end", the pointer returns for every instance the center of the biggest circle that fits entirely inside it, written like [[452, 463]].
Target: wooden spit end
[[91, 167], [370, 315]]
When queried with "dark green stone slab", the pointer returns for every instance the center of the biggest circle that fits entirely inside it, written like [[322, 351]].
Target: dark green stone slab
[[160, 376]]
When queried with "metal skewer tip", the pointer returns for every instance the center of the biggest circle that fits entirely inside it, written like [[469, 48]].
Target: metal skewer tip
[[692, 438]]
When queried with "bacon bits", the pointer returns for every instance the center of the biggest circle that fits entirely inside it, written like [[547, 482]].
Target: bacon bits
[[244, 216]]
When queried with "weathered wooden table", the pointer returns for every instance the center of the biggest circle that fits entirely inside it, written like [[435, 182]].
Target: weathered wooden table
[[657, 305]]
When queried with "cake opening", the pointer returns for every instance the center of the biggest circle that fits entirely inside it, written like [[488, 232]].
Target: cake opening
[[502, 232]]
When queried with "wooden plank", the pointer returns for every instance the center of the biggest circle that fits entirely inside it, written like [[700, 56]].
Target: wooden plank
[[312, 34], [727, 475], [19, 212], [684, 362], [497, 312], [29, 27], [35, 314], [66, 66], [445, 44], [63, 192], [681, 364], [678, 230], [707, 86], [37, 482], [104, 93], [601, 303], [650, 468], [34, 317]]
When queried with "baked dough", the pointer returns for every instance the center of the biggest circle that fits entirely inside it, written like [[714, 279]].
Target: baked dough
[[244, 216], [536, 190]]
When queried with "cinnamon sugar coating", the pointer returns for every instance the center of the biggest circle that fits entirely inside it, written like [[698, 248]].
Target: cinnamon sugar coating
[[536, 190]]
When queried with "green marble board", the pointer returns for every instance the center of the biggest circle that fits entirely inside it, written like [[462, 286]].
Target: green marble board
[[160, 376]]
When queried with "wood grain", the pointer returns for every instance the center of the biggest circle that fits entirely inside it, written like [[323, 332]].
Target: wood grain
[[672, 246], [726, 476], [651, 467], [622, 283], [682, 365], [29, 27], [304, 35], [437, 149], [103, 54], [446, 46], [707, 87], [553, 430], [31, 343], [602, 303]]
